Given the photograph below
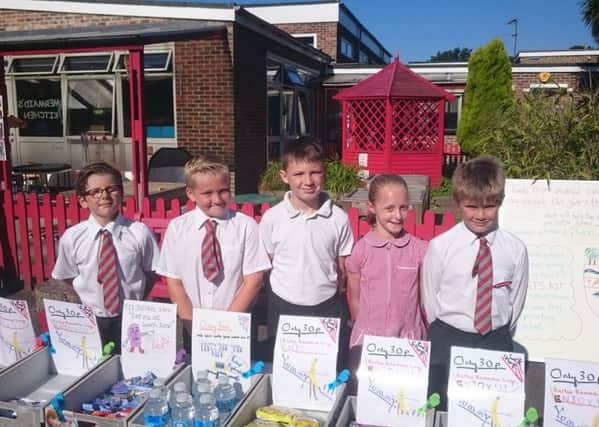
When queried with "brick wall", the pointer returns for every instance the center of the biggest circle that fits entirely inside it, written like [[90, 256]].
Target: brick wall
[[561, 60], [326, 35], [522, 81]]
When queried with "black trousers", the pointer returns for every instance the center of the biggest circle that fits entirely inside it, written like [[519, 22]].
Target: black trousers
[[110, 330], [335, 306], [442, 336]]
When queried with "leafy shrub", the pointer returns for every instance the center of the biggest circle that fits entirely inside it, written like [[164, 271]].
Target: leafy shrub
[[271, 179]]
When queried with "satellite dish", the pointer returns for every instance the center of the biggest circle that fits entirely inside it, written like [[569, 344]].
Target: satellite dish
[[544, 76]]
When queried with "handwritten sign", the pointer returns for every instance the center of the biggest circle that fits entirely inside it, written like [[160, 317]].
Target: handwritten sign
[[561, 231], [221, 344], [486, 388], [305, 362], [149, 338], [571, 393], [393, 380], [17, 338], [74, 335]]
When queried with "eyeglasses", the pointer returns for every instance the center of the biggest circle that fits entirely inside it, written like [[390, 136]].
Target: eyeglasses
[[96, 193]]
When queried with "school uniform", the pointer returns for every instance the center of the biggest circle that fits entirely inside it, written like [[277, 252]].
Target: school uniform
[[449, 293], [78, 253], [304, 251], [241, 251]]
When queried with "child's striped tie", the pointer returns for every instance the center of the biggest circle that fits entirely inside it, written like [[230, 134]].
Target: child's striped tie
[[212, 262], [107, 274], [484, 301]]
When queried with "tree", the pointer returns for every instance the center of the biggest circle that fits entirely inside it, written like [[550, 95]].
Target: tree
[[488, 93], [590, 15], [452, 55]]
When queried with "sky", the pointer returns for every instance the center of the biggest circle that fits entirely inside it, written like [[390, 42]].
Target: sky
[[418, 29]]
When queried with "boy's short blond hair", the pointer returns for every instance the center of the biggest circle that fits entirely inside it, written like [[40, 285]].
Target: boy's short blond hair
[[481, 179], [204, 165]]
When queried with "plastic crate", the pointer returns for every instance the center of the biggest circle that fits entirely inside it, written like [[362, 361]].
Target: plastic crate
[[261, 395]]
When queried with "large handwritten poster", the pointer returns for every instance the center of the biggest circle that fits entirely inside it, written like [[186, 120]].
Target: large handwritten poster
[[149, 338], [305, 362], [74, 335], [221, 344], [571, 393], [17, 338], [393, 380], [559, 222], [486, 388]]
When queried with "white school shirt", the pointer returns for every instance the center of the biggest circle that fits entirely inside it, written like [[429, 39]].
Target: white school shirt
[[304, 250], [181, 256], [78, 250], [449, 290]]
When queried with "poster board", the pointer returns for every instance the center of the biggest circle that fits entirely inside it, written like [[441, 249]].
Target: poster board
[[220, 344], [393, 381], [559, 222], [305, 362], [17, 338]]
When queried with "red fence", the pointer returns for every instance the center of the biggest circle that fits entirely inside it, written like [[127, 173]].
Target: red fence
[[40, 220]]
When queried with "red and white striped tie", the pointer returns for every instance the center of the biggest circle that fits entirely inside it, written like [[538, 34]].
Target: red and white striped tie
[[107, 274], [212, 261], [484, 301]]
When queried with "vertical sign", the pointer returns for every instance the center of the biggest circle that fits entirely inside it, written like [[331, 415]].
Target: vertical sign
[[17, 338], [305, 362], [393, 381], [485, 388], [221, 344], [74, 335], [149, 338], [571, 393]]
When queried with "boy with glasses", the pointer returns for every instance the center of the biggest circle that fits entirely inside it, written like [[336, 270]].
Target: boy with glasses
[[107, 258]]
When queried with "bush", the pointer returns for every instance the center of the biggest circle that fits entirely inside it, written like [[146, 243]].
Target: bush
[[271, 179], [549, 137]]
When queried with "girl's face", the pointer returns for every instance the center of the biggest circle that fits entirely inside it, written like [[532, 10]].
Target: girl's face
[[390, 209]]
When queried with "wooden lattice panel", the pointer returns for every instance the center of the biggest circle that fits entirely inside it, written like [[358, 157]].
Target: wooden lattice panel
[[415, 125], [366, 124]]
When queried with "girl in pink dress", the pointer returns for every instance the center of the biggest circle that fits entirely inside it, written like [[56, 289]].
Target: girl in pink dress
[[384, 271]]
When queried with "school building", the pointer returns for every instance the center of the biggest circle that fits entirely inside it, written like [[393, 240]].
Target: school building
[[238, 82]]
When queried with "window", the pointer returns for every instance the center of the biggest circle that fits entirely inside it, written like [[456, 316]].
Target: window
[[371, 43], [363, 57], [153, 61], [159, 115], [89, 106], [452, 115], [347, 48], [349, 23], [308, 39], [36, 65], [86, 63], [39, 103]]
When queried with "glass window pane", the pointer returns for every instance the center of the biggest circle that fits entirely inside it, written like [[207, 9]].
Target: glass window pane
[[347, 48], [33, 65], [156, 61], [273, 71], [86, 63], [308, 40], [274, 113], [304, 114], [288, 112], [159, 108], [39, 103], [90, 106], [293, 78]]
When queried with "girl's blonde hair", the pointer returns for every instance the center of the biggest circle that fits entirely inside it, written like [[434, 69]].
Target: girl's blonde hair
[[204, 165], [375, 185]]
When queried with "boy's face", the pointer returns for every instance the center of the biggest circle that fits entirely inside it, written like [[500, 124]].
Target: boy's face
[[103, 198], [305, 180], [480, 217], [211, 193]]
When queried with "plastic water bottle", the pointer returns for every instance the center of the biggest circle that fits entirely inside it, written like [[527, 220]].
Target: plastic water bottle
[[160, 385], [226, 397], [156, 410], [201, 378], [183, 413], [207, 414], [204, 389], [179, 387]]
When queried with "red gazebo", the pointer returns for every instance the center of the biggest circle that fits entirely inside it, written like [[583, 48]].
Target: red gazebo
[[393, 122]]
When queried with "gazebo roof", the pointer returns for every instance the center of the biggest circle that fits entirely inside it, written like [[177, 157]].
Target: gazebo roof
[[396, 81]]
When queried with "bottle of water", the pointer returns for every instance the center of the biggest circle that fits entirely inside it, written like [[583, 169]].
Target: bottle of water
[[204, 389], [179, 387], [206, 412], [183, 413], [160, 385], [226, 397], [156, 410], [201, 378]]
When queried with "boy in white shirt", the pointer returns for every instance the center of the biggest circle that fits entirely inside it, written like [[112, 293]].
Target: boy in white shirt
[[307, 237], [475, 275], [107, 258], [211, 256]]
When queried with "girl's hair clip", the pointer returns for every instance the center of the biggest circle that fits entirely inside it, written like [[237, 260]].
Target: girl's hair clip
[[254, 370], [530, 418], [108, 350], [432, 402], [45, 340], [341, 378]]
